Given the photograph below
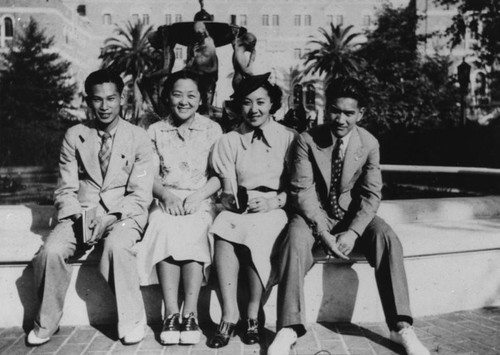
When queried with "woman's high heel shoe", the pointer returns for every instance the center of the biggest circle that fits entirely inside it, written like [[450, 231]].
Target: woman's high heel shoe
[[224, 332], [251, 334]]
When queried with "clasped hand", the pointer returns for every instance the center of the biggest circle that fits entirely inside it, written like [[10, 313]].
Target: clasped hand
[[339, 245], [176, 206]]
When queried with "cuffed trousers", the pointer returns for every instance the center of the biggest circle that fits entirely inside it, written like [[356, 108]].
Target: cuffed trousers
[[117, 266], [381, 247]]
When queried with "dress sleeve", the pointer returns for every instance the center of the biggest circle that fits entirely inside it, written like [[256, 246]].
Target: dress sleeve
[[223, 158]]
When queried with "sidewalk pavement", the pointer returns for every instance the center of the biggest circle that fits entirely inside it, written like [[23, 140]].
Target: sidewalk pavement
[[459, 333]]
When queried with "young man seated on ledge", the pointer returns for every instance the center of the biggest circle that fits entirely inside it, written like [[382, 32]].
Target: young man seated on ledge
[[336, 190], [104, 163]]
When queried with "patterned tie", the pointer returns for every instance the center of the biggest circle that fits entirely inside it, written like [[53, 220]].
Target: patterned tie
[[105, 152], [336, 212]]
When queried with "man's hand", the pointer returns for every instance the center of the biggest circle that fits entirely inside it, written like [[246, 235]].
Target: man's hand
[[346, 241], [261, 204], [99, 226], [192, 203], [329, 242], [172, 204]]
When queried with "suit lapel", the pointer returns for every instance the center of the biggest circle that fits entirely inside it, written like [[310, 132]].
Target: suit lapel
[[352, 159], [322, 153], [89, 153], [120, 141]]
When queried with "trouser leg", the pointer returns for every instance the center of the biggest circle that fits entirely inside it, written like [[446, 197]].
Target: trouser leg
[[384, 252], [52, 277], [295, 260], [118, 266]]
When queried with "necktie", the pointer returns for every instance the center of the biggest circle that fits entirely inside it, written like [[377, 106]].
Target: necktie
[[105, 152], [336, 212], [257, 134]]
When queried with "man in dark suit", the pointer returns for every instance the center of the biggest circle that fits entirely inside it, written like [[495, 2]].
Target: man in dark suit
[[336, 190], [106, 164]]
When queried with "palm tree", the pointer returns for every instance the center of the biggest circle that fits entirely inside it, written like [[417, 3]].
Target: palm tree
[[336, 56], [129, 53]]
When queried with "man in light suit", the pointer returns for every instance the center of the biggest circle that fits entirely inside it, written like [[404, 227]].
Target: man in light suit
[[106, 162], [336, 190]]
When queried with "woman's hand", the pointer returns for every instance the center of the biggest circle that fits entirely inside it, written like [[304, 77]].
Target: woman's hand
[[262, 204], [192, 203], [172, 204]]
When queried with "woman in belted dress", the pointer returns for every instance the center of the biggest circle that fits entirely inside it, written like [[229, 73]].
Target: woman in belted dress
[[250, 161]]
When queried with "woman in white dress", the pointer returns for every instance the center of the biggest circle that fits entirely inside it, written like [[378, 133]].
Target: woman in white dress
[[250, 160], [176, 241]]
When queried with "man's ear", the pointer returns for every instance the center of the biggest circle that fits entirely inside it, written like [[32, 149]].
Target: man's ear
[[362, 113]]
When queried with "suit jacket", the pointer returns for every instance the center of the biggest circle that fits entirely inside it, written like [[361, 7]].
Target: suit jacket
[[127, 187], [360, 185]]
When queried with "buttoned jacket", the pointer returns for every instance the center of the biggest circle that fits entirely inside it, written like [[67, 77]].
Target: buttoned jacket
[[126, 190], [360, 183]]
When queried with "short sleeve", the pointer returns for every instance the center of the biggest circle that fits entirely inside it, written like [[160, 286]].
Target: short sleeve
[[223, 159]]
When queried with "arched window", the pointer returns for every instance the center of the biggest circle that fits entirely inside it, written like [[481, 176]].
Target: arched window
[[8, 28], [106, 19]]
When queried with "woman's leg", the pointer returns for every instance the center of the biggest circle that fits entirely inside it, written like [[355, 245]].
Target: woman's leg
[[227, 265], [192, 277], [255, 291], [169, 273]]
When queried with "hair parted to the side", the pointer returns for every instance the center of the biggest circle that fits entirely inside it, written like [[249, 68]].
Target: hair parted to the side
[[174, 77], [103, 76], [347, 87]]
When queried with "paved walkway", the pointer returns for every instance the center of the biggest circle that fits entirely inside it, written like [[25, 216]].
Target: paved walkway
[[459, 333]]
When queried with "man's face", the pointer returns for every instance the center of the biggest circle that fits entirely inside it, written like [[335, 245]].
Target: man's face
[[342, 114], [105, 103]]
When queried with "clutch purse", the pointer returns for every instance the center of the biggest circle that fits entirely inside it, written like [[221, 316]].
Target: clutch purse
[[242, 197]]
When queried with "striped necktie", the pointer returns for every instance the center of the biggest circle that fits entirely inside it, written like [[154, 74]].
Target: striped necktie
[[105, 152], [336, 212]]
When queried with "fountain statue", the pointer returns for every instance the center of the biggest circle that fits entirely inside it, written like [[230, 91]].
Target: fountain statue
[[201, 36]]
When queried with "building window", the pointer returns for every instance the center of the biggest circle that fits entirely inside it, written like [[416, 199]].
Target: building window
[[276, 20], [265, 20], [81, 10], [178, 18], [106, 19], [329, 18], [367, 21], [9, 28], [297, 53], [340, 20], [296, 20], [145, 19], [135, 18], [178, 53], [243, 20], [168, 19], [307, 20]]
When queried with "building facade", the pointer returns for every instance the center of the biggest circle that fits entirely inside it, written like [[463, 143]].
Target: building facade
[[283, 27]]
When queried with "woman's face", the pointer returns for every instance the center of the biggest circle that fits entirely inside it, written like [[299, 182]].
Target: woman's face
[[256, 107], [184, 99]]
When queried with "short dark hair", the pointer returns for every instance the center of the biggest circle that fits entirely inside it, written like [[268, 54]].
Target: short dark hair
[[174, 77], [103, 76], [347, 87]]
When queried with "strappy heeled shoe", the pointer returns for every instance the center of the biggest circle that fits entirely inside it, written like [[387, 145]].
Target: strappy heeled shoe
[[224, 332], [251, 334]]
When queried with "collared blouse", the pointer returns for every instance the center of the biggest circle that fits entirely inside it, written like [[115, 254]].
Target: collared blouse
[[254, 164], [182, 154]]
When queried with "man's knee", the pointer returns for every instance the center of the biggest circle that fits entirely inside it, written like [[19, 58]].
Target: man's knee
[[121, 238], [382, 234], [57, 244], [299, 235]]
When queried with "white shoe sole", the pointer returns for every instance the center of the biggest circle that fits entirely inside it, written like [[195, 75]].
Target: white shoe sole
[[190, 337], [170, 338]]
